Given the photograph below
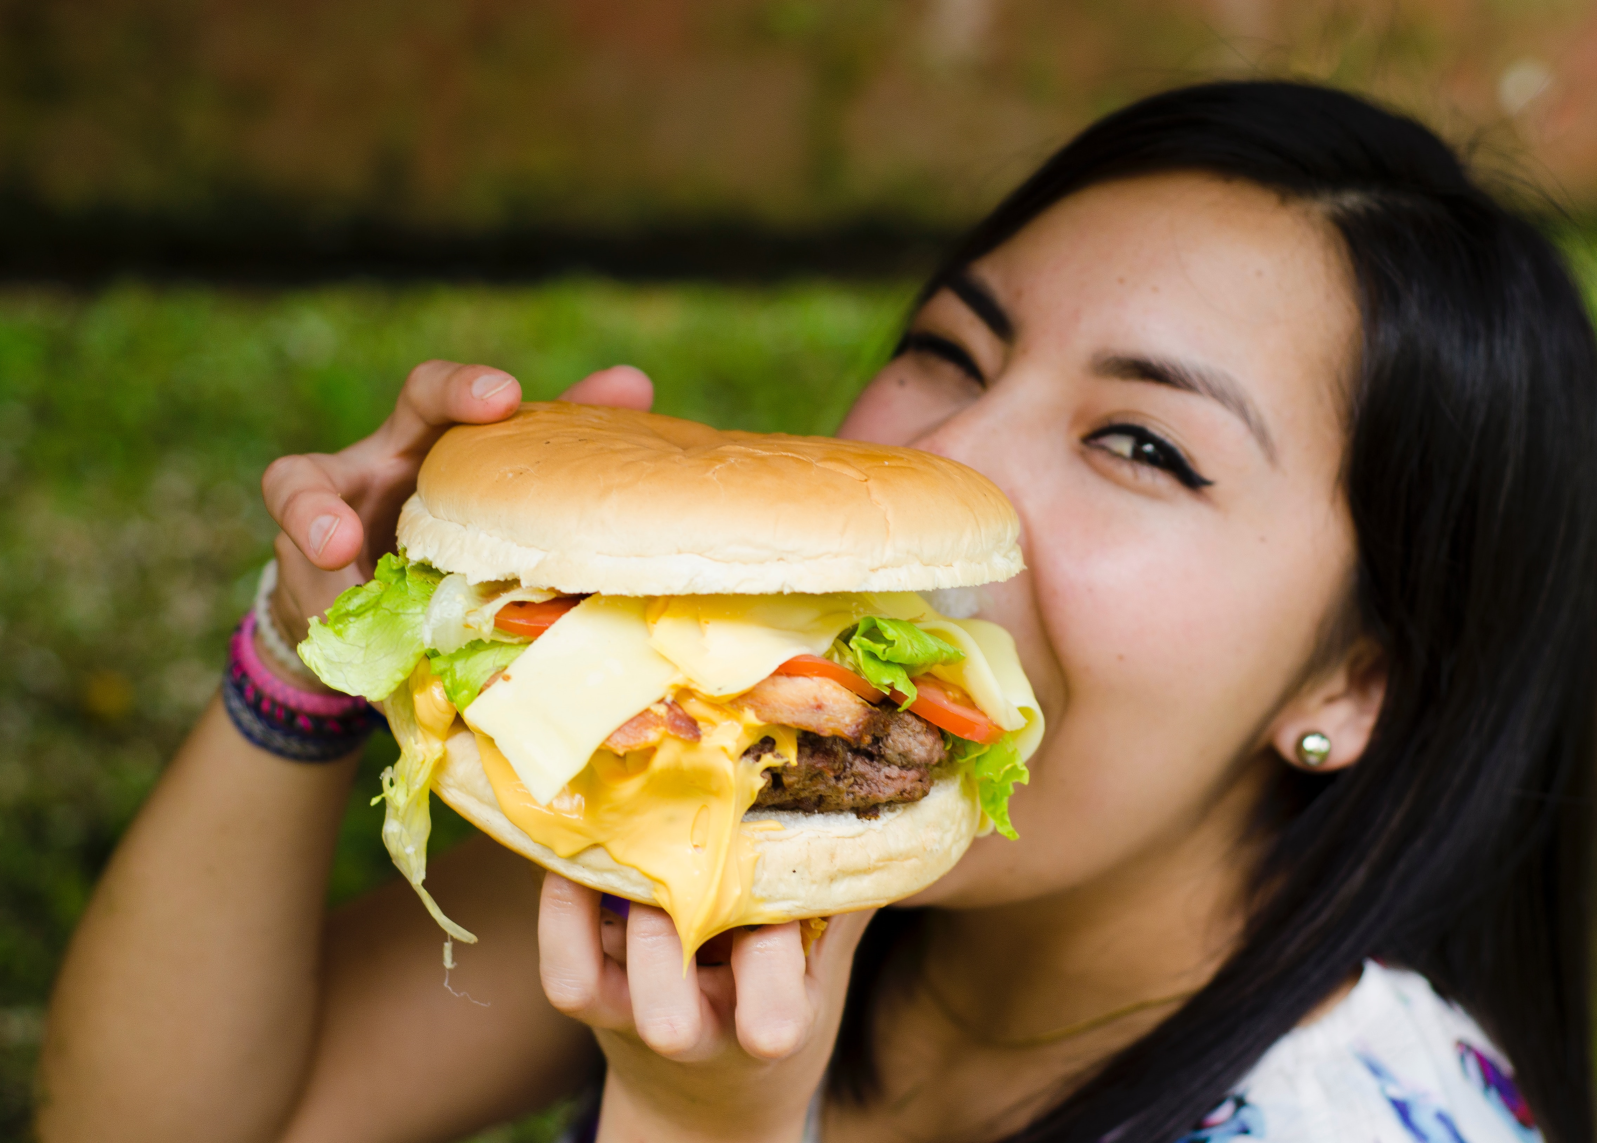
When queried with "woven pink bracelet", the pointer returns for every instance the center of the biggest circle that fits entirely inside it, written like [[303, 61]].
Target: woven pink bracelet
[[305, 726], [285, 694]]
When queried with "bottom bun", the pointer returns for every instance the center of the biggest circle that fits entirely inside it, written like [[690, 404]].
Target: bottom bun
[[815, 866]]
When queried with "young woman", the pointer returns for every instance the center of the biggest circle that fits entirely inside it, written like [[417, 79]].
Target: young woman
[[1302, 428]]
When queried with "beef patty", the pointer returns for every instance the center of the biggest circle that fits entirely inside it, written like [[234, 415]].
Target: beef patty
[[832, 773]]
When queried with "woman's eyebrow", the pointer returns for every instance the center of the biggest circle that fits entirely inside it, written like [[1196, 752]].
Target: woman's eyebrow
[[1215, 384], [979, 298]]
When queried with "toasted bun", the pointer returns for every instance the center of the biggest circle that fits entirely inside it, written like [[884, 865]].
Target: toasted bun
[[816, 866], [584, 499]]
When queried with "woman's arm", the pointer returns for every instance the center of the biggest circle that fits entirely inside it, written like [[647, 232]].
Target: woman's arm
[[400, 1056], [199, 997], [186, 1006]]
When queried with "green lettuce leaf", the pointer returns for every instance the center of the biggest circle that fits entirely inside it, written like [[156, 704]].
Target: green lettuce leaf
[[997, 770], [407, 815], [371, 639], [465, 671], [888, 651]]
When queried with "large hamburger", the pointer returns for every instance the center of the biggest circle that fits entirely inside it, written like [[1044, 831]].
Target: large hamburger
[[689, 667]]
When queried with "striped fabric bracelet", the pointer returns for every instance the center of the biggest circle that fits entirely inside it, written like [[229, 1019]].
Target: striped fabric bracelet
[[301, 725]]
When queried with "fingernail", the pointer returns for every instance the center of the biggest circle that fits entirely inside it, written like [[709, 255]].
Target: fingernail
[[489, 384], [322, 529]]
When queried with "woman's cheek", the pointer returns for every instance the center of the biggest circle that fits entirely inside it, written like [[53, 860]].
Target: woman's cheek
[[901, 404]]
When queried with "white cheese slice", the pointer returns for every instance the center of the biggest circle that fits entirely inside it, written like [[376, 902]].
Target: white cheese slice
[[990, 673], [724, 644], [572, 687]]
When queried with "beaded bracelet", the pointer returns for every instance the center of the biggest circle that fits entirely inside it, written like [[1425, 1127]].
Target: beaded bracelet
[[292, 723], [276, 645]]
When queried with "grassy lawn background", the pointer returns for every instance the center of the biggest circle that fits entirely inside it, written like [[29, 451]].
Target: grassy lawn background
[[134, 425]]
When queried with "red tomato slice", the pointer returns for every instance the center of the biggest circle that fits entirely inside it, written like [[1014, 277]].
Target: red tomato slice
[[524, 617], [942, 704], [948, 708], [817, 667]]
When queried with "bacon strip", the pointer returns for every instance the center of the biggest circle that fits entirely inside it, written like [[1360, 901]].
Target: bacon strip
[[649, 726], [811, 703]]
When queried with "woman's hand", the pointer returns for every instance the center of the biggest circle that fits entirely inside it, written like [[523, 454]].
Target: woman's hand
[[338, 511], [727, 1051]]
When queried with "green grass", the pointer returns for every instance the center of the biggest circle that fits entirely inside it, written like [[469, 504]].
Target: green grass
[[134, 425]]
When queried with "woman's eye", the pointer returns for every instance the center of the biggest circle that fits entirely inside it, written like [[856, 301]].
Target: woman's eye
[[919, 341], [1139, 446]]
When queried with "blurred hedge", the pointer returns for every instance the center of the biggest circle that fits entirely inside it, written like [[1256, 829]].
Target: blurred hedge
[[134, 426], [608, 115]]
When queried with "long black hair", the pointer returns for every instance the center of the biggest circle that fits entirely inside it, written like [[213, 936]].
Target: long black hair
[[1459, 844]]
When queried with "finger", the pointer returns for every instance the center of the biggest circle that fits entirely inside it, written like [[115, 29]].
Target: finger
[[620, 386], [667, 1007], [438, 394], [578, 978], [774, 1013], [304, 590], [833, 954], [303, 498]]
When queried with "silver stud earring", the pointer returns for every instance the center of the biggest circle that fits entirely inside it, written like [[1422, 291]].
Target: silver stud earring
[[1313, 749]]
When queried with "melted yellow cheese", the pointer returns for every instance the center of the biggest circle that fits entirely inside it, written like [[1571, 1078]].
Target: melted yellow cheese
[[435, 714], [675, 816]]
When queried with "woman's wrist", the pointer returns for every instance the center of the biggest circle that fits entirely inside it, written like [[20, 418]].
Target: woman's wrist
[[729, 1098], [274, 665], [300, 725], [625, 1115], [273, 705]]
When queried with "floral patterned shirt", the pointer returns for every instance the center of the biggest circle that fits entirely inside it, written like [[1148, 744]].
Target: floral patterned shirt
[[1392, 1063]]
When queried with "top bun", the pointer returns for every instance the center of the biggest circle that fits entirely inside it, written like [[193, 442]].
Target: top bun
[[579, 498]]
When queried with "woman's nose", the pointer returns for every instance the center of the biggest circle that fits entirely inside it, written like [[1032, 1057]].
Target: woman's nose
[[957, 437], [988, 435]]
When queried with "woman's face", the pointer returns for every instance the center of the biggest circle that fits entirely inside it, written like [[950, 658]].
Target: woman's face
[[1154, 371]]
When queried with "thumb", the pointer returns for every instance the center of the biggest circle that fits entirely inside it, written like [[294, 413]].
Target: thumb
[[620, 386]]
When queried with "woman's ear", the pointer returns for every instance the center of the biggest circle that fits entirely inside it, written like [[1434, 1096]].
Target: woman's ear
[[1341, 704]]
